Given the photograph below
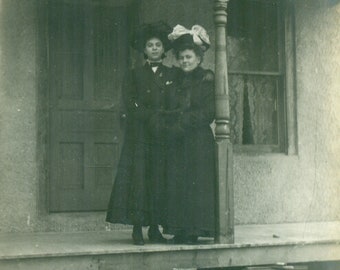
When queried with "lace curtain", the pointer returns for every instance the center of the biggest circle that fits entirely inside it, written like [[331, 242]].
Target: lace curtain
[[253, 96], [253, 65]]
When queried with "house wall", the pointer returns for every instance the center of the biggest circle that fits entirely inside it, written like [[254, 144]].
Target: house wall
[[269, 188], [18, 116], [24, 125], [272, 188]]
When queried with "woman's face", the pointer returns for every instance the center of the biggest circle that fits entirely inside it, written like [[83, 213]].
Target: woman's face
[[154, 49], [188, 60]]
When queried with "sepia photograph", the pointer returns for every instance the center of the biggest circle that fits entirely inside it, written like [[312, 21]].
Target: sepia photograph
[[169, 134]]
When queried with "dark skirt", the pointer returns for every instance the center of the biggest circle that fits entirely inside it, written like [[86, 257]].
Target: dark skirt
[[191, 184], [138, 194]]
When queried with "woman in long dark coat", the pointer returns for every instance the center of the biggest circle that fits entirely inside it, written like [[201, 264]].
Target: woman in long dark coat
[[138, 195], [191, 152]]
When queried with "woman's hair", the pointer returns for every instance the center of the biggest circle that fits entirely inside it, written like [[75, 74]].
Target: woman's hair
[[189, 46]]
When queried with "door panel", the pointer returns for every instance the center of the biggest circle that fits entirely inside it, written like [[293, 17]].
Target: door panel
[[88, 54]]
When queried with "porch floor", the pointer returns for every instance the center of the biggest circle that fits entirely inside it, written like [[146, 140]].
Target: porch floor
[[254, 244]]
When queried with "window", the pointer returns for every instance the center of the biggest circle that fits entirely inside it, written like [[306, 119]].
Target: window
[[257, 74]]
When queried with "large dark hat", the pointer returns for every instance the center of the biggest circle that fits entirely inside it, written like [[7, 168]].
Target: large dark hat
[[144, 32], [197, 35]]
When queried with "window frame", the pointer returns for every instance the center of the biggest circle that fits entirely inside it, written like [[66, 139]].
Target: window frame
[[286, 101]]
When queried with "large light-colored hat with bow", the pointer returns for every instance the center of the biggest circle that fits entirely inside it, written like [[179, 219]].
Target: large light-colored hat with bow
[[196, 35]]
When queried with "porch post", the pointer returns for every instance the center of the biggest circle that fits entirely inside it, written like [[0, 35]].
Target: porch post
[[224, 151]]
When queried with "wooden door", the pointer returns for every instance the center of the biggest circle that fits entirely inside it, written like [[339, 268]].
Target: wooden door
[[88, 54]]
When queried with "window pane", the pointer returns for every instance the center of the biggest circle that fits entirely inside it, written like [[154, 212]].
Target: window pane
[[254, 113], [254, 66], [253, 35]]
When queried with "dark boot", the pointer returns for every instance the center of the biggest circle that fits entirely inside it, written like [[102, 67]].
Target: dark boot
[[179, 239], [192, 240], [137, 235], [155, 235]]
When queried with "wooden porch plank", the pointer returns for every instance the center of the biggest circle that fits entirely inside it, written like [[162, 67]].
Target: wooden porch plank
[[186, 258], [254, 245]]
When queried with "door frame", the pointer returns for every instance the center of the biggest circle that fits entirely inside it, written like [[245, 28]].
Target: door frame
[[43, 92]]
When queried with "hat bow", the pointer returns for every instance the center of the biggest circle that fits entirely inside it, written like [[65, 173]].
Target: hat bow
[[198, 33]]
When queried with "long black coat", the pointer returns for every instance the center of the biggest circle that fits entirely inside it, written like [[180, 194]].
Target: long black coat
[[191, 157], [138, 195]]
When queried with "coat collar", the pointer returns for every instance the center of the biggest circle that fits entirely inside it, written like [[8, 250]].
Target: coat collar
[[158, 76], [192, 77]]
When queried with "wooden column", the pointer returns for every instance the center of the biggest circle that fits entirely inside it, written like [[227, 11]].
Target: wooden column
[[224, 150]]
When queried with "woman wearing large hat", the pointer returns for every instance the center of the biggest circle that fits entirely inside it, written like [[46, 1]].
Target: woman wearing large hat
[[138, 193], [191, 156]]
